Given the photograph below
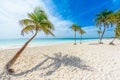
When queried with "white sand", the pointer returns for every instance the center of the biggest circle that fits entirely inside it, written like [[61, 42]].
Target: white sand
[[87, 61]]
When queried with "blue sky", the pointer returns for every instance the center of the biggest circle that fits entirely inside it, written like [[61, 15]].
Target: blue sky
[[62, 13], [83, 12]]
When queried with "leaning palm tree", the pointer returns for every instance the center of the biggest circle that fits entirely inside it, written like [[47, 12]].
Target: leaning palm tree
[[101, 20], [117, 34], [74, 27], [114, 18], [81, 31], [36, 22], [99, 34]]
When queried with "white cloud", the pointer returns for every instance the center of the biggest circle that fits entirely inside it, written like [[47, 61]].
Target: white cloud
[[11, 11], [91, 31]]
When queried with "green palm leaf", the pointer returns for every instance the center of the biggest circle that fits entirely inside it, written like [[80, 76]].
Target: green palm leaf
[[37, 21], [26, 22], [27, 29]]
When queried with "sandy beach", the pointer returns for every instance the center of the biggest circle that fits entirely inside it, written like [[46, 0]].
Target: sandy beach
[[65, 61]]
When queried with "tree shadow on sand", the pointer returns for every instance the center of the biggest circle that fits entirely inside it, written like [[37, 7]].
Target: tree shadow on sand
[[94, 44], [58, 60]]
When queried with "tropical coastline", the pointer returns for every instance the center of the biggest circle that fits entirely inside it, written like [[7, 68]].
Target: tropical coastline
[[68, 40], [87, 61], [17, 43]]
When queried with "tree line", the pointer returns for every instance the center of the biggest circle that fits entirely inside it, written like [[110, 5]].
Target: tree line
[[105, 19]]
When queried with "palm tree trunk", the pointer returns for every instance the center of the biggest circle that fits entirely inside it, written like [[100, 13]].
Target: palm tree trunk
[[113, 40], [75, 38], [111, 43], [15, 57], [102, 35], [81, 39], [98, 38]]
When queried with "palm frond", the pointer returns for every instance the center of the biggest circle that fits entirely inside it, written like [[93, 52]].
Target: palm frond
[[38, 15], [74, 27], [99, 31], [26, 22], [81, 31], [32, 16], [27, 29], [47, 23], [38, 21], [47, 31], [43, 15]]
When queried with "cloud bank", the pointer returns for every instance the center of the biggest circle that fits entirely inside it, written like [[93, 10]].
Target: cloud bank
[[11, 11]]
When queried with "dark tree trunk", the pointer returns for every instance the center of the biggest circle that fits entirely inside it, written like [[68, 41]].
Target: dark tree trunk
[[75, 38], [98, 38], [111, 43], [81, 39], [15, 57], [102, 35]]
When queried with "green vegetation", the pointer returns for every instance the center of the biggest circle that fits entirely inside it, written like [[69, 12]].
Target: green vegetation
[[99, 34], [37, 21], [81, 32], [114, 18], [75, 28], [102, 21], [117, 34]]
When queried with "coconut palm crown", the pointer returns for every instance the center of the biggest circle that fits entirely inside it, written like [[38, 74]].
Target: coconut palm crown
[[37, 21]]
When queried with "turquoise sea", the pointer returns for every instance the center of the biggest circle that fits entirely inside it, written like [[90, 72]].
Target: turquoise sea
[[37, 41], [40, 40]]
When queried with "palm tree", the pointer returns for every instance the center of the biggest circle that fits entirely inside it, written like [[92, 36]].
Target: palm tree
[[101, 20], [74, 27], [36, 22], [114, 18], [81, 31], [117, 34], [99, 34]]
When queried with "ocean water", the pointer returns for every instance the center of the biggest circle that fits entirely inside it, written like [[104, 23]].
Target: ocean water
[[5, 43]]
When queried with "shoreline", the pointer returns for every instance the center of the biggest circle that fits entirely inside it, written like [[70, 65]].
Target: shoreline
[[65, 61], [37, 44], [32, 44]]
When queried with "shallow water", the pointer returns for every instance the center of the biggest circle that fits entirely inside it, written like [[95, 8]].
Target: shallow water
[[13, 43]]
